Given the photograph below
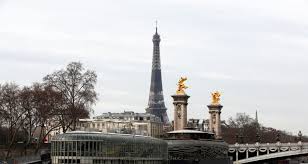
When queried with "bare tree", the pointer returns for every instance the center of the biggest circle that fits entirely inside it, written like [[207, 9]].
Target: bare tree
[[77, 87], [12, 113], [30, 122], [47, 103], [247, 129], [240, 120]]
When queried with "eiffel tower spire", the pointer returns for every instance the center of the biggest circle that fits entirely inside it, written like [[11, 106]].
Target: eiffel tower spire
[[156, 104]]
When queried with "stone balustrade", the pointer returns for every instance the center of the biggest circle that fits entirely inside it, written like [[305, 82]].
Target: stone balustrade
[[245, 151]]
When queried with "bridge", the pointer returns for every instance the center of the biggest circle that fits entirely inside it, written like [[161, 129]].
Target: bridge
[[249, 153]]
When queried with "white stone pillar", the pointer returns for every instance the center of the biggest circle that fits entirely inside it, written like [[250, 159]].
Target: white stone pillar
[[180, 111], [215, 121]]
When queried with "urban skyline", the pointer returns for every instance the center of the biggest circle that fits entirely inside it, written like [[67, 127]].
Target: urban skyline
[[258, 62]]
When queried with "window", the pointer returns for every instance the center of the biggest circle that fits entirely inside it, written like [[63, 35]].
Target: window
[[86, 151], [78, 148], [91, 150], [62, 148]]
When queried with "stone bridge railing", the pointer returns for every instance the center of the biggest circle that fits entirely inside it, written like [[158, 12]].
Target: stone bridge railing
[[245, 151]]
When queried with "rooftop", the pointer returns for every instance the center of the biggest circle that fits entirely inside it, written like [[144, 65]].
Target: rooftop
[[126, 113], [98, 136], [130, 115]]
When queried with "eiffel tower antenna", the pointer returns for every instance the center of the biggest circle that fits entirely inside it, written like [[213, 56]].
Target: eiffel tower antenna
[[156, 26]]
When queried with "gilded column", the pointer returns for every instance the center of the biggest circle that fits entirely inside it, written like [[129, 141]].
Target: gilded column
[[180, 102], [215, 111]]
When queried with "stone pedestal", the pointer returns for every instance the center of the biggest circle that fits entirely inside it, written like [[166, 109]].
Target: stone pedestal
[[215, 122], [180, 111]]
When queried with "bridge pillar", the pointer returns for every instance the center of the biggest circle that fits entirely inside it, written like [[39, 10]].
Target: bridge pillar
[[236, 155], [247, 154], [180, 111], [214, 121]]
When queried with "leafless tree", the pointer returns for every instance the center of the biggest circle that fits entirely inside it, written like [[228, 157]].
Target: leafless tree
[[47, 103], [30, 122], [240, 120], [251, 131], [12, 113], [77, 87]]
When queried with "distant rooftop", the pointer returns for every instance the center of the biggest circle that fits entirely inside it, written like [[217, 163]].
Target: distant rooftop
[[128, 115]]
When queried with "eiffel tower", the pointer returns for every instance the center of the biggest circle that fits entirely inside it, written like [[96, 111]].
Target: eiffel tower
[[156, 104]]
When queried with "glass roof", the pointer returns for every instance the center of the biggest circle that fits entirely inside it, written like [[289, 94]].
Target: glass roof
[[97, 136]]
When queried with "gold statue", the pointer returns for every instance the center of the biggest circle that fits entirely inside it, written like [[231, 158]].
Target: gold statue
[[216, 98], [181, 86]]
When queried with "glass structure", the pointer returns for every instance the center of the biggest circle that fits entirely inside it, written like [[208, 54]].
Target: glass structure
[[107, 148]]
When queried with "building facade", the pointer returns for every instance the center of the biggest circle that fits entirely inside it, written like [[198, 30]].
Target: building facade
[[102, 148], [198, 124], [127, 122]]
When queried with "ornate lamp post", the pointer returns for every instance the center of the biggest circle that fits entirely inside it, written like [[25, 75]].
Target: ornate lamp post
[[300, 135], [258, 137], [236, 138], [278, 137], [241, 138]]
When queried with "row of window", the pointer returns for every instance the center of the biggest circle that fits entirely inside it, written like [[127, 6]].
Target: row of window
[[125, 118], [139, 129], [106, 161], [67, 161], [98, 125], [102, 161], [108, 149]]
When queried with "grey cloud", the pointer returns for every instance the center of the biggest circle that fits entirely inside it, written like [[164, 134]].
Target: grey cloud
[[255, 52]]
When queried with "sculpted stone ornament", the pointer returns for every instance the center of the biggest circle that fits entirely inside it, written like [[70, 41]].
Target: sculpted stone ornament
[[178, 110], [216, 98], [181, 86]]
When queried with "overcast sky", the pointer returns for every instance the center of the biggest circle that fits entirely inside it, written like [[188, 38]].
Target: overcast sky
[[254, 52]]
